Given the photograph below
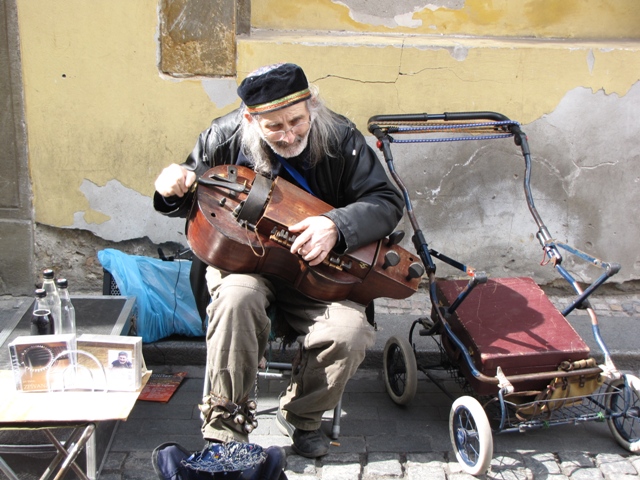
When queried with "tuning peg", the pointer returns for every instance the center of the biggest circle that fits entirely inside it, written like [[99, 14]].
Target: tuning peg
[[395, 238], [391, 259], [416, 270]]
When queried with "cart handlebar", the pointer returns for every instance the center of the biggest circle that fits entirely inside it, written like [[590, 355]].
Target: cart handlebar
[[427, 117], [499, 126]]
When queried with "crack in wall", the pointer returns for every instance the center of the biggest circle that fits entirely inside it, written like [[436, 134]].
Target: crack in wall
[[435, 191]]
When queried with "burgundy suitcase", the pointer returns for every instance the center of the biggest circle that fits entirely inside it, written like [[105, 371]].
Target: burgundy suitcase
[[510, 322]]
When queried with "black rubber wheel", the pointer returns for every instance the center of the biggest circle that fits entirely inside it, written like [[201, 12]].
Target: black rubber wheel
[[623, 403], [400, 370]]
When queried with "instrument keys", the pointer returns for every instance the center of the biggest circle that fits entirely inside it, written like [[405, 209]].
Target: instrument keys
[[391, 259], [416, 270], [282, 237]]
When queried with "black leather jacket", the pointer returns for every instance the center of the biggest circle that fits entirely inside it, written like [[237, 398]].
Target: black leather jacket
[[367, 206]]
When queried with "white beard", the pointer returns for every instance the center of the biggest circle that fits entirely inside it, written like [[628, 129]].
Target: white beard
[[288, 150]]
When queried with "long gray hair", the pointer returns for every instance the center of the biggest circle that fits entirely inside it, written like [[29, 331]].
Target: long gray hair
[[322, 135]]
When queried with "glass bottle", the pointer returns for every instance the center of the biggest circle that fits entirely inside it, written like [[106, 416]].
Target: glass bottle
[[41, 319], [67, 312], [53, 298]]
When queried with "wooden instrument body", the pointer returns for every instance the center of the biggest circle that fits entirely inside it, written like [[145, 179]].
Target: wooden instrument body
[[220, 239]]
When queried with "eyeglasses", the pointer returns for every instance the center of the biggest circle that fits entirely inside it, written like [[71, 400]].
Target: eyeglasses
[[279, 135]]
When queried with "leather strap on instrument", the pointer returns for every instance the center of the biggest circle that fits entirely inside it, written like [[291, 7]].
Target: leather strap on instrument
[[256, 201]]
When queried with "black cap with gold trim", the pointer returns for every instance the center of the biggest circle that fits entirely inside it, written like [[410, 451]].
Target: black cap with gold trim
[[274, 87]]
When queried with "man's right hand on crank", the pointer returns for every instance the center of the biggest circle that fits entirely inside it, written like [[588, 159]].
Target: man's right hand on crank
[[174, 180]]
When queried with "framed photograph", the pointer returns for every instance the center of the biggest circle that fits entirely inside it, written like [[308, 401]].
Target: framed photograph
[[39, 361], [119, 357]]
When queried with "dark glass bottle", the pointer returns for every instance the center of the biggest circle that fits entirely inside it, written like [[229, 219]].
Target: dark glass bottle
[[41, 319]]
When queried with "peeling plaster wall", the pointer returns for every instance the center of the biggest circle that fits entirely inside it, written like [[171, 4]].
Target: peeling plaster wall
[[577, 101], [98, 109], [596, 19], [523, 79], [113, 205], [102, 121], [469, 196]]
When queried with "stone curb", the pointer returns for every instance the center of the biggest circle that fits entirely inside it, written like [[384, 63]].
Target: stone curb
[[419, 304]]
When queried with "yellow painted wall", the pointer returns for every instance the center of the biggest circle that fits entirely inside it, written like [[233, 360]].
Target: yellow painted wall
[[362, 76], [97, 108], [617, 19], [96, 105]]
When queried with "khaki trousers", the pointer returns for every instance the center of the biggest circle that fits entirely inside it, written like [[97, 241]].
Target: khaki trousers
[[336, 336]]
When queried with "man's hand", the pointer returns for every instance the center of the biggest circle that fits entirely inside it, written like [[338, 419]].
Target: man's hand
[[316, 237], [174, 180]]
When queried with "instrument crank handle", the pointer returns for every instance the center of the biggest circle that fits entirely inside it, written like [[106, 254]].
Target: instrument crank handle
[[234, 187]]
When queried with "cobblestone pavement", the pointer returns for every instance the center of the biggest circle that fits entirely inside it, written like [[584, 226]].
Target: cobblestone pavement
[[378, 439]]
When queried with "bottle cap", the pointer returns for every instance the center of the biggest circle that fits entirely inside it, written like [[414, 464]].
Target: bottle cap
[[41, 292], [48, 273], [62, 282]]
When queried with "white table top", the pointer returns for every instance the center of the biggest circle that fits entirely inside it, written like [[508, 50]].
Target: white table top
[[68, 406]]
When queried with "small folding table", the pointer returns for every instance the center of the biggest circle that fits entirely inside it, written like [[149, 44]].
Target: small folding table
[[53, 412]]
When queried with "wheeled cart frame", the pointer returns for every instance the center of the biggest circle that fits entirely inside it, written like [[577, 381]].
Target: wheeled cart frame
[[520, 362]]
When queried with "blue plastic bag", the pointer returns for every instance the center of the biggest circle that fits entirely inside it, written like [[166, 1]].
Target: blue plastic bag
[[165, 301]]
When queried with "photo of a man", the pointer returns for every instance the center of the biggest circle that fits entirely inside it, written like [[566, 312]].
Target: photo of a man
[[122, 361]]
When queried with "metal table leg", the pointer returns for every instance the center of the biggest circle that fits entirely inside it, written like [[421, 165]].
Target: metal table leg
[[6, 469], [68, 452]]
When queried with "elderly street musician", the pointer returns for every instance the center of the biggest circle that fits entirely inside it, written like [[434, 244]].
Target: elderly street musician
[[283, 129]]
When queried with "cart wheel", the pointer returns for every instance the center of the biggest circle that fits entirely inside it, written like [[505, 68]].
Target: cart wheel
[[624, 407], [400, 370], [471, 435]]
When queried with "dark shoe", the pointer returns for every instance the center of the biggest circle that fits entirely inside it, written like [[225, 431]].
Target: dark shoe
[[308, 443]]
